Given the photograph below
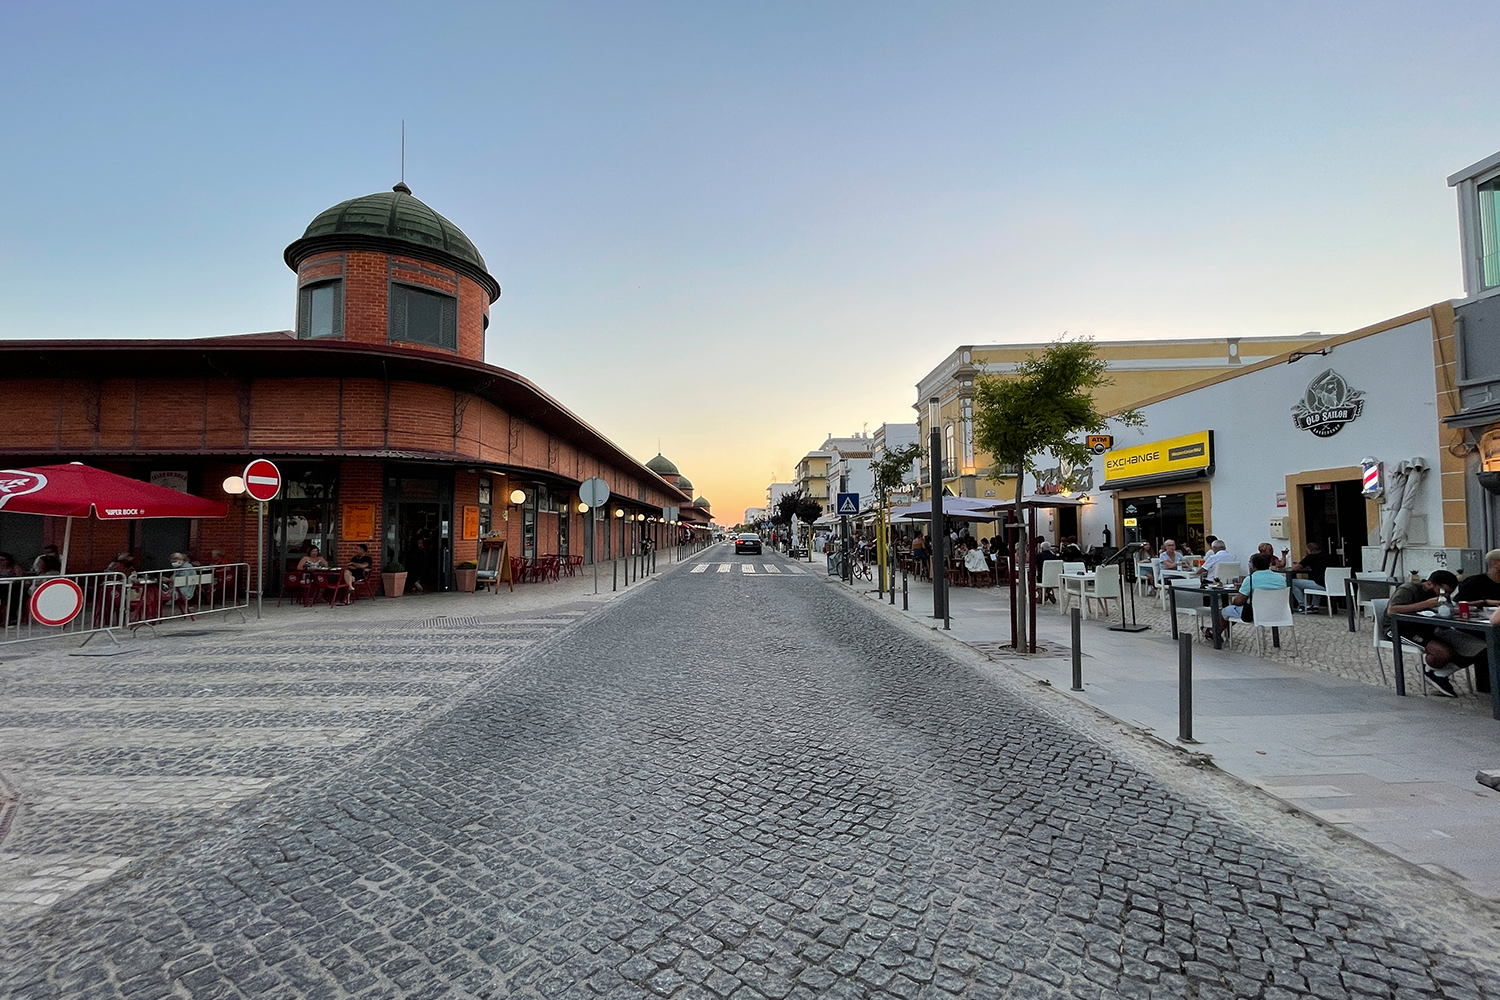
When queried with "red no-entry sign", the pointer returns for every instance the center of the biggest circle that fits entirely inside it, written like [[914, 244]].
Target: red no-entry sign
[[56, 602], [262, 480]]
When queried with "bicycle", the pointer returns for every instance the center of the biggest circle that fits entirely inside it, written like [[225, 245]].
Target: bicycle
[[861, 568]]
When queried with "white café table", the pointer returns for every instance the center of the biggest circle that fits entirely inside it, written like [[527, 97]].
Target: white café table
[[1075, 583]]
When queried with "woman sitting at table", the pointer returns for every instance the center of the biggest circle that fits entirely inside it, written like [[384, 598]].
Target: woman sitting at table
[[312, 561]]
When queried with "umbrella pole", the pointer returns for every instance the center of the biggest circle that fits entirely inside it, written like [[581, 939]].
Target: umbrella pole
[[67, 539]]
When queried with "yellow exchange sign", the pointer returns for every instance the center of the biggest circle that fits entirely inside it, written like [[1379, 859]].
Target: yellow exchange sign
[[1187, 453]]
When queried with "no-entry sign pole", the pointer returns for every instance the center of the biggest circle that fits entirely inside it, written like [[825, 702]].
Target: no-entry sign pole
[[595, 493], [262, 482]]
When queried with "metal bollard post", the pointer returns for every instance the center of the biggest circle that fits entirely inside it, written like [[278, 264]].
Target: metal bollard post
[[1077, 625], [1185, 688], [903, 591], [614, 575]]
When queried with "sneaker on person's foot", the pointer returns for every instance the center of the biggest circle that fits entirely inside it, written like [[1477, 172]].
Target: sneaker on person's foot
[[1443, 682]]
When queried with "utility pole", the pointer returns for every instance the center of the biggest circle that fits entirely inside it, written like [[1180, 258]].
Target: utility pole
[[939, 545]]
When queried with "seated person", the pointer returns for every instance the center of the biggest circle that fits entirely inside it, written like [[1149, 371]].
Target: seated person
[[1260, 578], [183, 580], [1218, 552], [1483, 589], [1169, 555], [1442, 659], [359, 565], [1315, 562], [312, 561]]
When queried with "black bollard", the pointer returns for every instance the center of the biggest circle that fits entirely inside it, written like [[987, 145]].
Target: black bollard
[[1185, 688], [614, 575], [903, 591], [1077, 625]]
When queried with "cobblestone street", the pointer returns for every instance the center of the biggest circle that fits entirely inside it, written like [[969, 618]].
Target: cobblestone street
[[733, 784]]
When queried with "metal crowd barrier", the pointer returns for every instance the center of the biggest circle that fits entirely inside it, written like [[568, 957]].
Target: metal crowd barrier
[[163, 595], [103, 609]]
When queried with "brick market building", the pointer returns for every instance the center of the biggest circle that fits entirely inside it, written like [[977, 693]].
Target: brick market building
[[389, 427]]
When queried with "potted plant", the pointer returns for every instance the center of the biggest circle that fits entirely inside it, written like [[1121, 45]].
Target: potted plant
[[466, 576], [393, 575]]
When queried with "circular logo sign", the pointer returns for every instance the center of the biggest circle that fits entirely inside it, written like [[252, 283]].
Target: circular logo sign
[[56, 601], [262, 480]]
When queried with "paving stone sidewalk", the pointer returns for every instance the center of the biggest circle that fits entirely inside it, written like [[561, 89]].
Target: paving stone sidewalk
[[106, 760]]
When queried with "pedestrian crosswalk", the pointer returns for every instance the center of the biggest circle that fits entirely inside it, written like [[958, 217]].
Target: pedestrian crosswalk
[[749, 569]]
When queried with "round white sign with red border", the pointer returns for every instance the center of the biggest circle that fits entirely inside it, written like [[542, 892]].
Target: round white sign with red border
[[262, 480], [56, 602]]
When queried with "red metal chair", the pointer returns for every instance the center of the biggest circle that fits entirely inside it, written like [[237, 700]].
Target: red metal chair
[[519, 571], [291, 584], [333, 582]]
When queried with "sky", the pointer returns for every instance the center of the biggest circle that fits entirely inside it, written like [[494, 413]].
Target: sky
[[727, 230]]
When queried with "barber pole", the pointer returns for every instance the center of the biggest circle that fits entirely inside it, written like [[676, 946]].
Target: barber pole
[[1374, 484]]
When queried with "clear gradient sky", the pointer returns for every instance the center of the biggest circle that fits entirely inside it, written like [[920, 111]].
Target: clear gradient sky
[[800, 208]]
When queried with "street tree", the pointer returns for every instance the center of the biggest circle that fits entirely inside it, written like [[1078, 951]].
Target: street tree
[[797, 506], [1045, 406]]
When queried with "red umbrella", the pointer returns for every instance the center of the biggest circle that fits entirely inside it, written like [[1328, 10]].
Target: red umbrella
[[76, 490]]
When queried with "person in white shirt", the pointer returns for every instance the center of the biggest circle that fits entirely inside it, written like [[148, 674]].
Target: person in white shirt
[[1217, 553]]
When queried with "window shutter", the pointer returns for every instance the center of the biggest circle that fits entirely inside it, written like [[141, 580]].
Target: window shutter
[[398, 312], [338, 309], [304, 313]]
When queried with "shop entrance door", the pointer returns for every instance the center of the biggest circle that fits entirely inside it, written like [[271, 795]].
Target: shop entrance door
[[420, 545], [1333, 515], [1178, 516]]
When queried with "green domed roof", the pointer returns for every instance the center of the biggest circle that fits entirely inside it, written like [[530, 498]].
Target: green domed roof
[[662, 466], [684, 485], [378, 220], [701, 502]]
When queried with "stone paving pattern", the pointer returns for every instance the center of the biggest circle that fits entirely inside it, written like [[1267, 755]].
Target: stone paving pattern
[[740, 788], [108, 759]]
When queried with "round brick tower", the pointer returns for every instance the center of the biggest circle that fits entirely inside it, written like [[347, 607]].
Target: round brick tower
[[386, 269]]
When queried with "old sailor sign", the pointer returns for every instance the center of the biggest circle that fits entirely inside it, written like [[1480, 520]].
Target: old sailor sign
[[1330, 403]]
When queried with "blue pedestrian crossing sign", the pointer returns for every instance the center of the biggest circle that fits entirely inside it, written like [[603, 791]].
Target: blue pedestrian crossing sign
[[848, 503]]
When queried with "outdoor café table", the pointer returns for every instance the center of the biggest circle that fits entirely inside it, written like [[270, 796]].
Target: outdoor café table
[[1475, 623], [1215, 598], [1075, 583], [1351, 597]]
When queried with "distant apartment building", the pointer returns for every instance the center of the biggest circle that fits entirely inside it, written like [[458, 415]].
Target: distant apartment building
[[891, 437]]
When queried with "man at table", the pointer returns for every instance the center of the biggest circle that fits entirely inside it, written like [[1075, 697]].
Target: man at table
[[1443, 660], [1261, 578], [1218, 552], [1169, 554], [1485, 588], [1313, 563]]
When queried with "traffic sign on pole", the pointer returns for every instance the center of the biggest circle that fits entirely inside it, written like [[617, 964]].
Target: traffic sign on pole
[[594, 492], [56, 601], [262, 480], [848, 503]]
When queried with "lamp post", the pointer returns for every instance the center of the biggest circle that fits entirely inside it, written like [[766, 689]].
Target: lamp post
[[939, 554]]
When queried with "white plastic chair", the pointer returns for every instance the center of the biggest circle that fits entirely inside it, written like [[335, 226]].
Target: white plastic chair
[[1333, 587], [1145, 576], [1075, 567], [1052, 571], [1105, 586], [1367, 605], [1193, 611], [1272, 608], [1224, 572]]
